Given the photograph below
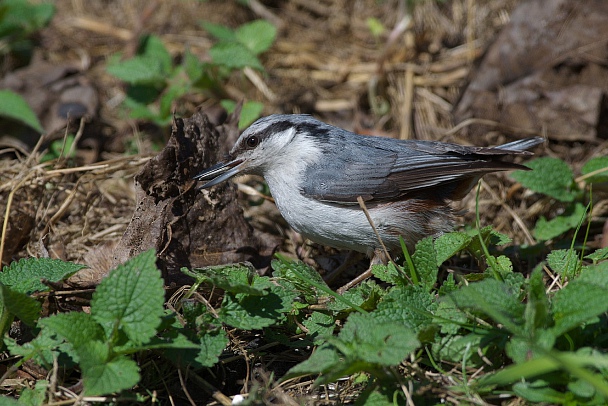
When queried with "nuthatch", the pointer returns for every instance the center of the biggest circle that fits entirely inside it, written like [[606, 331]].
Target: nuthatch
[[317, 172]]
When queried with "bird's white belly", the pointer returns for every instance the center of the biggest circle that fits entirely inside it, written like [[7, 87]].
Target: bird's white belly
[[344, 227]]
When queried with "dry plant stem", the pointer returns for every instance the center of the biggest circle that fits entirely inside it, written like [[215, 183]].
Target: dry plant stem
[[9, 203], [515, 216], [212, 390], [522, 226], [406, 128], [184, 388], [377, 253], [259, 83]]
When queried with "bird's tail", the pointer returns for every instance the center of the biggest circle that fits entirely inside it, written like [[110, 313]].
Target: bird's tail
[[522, 145]]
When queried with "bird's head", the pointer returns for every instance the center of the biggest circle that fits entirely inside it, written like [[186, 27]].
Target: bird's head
[[277, 143]]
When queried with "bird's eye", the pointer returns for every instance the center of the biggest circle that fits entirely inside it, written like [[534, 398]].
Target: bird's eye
[[252, 141]]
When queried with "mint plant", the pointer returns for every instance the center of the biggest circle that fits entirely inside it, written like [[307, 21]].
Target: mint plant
[[554, 178], [155, 82], [538, 345], [19, 19]]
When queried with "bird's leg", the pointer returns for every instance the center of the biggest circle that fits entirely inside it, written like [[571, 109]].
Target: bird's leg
[[379, 258], [351, 258]]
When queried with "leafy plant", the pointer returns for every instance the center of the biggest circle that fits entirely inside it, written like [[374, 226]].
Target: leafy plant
[[156, 82], [541, 346], [13, 106], [555, 179], [19, 19]]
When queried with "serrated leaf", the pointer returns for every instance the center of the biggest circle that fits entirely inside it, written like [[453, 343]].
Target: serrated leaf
[[319, 325], [131, 298], [284, 272], [376, 340], [15, 107], [503, 265], [104, 374], [581, 300], [365, 343], [447, 245], [325, 359], [76, 328], [42, 349], [20, 305], [257, 35], [234, 56], [495, 299], [564, 262], [596, 164], [249, 312], [411, 306], [25, 275], [366, 296], [35, 396], [219, 31], [232, 278], [546, 230], [457, 348], [389, 273], [425, 262], [549, 176], [599, 255], [211, 346]]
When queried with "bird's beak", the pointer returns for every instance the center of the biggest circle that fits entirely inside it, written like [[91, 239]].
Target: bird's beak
[[219, 173]]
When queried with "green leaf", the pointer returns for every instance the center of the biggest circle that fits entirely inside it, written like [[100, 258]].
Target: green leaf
[[25, 275], [20, 305], [257, 35], [284, 272], [152, 47], [319, 325], [596, 164], [447, 245], [375, 340], [138, 70], [495, 299], [231, 278], [425, 262], [366, 343], [390, 273], [583, 299], [15, 107], [104, 374], [250, 111], [375, 26], [42, 349], [131, 298], [211, 346], [234, 56], [76, 328], [547, 230], [564, 262], [599, 255], [549, 176], [219, 31], [412, 306], [35, 396], [249, 312]]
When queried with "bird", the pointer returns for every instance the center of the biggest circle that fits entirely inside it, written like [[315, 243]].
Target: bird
[[321, 177]]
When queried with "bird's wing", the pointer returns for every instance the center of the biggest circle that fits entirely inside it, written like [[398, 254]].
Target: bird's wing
[[379, 169]]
